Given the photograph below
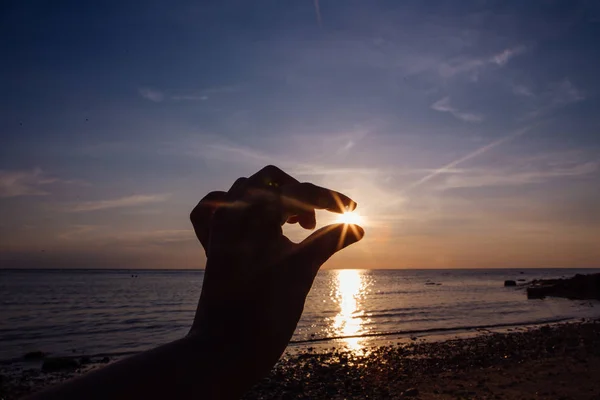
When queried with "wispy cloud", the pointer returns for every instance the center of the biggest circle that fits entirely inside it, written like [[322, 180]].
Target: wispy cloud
[[522, 90], [461, 65], [76, 231], [205, 94], [558, 95], [318, 13], [153, 237], [28, 183], [151, 94], [505, 56], [566, 93], [227, 150], [443, 105], [473, 64], [157, 96], [128, 201], [451, 166], [105, 236], [190, 97], [526, 170]]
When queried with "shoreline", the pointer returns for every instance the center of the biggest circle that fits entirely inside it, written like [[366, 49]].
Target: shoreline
[[374, 339], [428, 365]]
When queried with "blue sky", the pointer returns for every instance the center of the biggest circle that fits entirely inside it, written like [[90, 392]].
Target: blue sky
[[468, 132]]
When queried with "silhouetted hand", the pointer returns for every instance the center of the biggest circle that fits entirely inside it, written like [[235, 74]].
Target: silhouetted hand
[[256, 280], [254, 288]]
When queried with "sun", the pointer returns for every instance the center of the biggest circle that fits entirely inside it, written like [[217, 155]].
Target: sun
[[352, 218]]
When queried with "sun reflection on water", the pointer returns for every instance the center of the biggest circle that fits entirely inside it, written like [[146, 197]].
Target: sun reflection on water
[[350, 288]]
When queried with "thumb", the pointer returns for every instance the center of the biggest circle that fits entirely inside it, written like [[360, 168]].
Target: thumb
[[322, 244]]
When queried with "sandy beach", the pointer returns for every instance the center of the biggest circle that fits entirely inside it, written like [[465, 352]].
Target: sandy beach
[[549, 362]]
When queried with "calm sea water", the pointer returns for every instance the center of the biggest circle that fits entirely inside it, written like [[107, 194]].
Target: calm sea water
[[107, 312]]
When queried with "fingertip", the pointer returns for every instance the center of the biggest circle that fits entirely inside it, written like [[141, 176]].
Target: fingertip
[[308, 221], [358, 230], [352, 206], [347, 205], [354, 233]]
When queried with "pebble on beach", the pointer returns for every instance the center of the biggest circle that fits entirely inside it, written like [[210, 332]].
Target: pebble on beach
[[482, 366]]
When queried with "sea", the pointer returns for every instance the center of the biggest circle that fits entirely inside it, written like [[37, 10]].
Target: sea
[[119, 312]]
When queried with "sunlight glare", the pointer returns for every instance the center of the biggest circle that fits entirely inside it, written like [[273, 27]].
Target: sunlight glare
[[348, 321], [352, 218]]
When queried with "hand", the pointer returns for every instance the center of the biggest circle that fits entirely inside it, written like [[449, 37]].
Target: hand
[[256, 280]]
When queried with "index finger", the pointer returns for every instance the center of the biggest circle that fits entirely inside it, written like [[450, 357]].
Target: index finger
[[309, 197]]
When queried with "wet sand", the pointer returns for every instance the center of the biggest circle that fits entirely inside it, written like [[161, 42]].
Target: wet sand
[[551, 362]]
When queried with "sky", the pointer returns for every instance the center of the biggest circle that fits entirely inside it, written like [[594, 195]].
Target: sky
[[468, 132]]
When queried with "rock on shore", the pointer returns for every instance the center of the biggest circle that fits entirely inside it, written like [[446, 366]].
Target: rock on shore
[[579, 287]]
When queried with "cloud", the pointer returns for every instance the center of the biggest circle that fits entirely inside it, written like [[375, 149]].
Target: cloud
[[526, 170], [225, 152], [156, 237], [504, 57], [521, 90], [128, 201], [450, 167], [202, 97], [151, 94], [566, 93], [558, 95], [77, 231], [24, 183], [318, 13], [158, 96], [457, 66], [205, 94], [473, 64], [443, 105]]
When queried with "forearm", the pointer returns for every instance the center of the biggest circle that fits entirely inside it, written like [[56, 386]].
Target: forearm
[[188, 368]]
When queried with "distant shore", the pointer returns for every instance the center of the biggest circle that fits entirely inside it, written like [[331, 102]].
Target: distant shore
[[548, 362]]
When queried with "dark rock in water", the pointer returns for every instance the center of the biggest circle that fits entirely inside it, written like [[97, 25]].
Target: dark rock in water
[[430, 283], [510, 283], [59, 363], [412, 392], [105, 360], [34, 355], [579, 287], [520, 280]]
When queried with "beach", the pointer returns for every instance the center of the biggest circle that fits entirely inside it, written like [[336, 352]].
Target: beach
[[560, 361]]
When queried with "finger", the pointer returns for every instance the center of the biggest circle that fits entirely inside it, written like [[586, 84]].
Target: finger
[[308, 220], [238, 189], [321, 245], [293, 219], [306, 196], [201, 215], [272, 175], [304, 215]]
